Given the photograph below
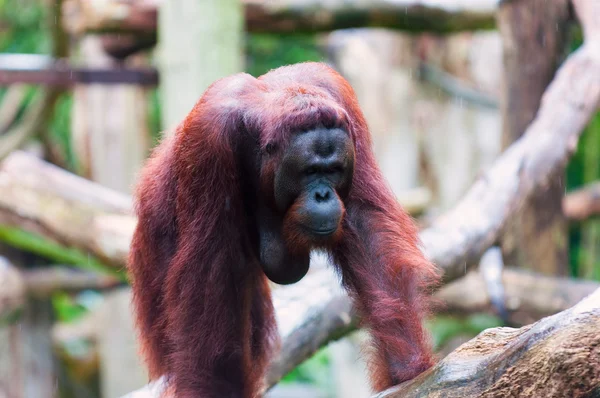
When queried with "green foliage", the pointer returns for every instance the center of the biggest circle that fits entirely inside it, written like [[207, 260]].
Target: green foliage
[[70, 307], [315, 371], [269, 51], [66, 308], [36, 244], [584, 168], [59, 130], [312, 370], [22, 27], [443, 328], [584, 237], [154, 118]]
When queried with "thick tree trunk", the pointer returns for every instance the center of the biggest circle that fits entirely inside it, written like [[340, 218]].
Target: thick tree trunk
[[534, 37]]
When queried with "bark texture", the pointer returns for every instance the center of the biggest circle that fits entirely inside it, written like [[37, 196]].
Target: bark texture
[[534, 35], [556, 357]]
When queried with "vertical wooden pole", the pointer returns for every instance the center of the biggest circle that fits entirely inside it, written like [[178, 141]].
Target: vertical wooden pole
[[199, 42], [118, 347], [534, 34], [110, 125], [27, 362]]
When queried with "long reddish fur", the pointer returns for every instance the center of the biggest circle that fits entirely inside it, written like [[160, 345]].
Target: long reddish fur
[[203, 305]]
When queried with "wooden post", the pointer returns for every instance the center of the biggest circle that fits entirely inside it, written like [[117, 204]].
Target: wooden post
[[118, 347], [109, 125], [27, 363], [199, 42], [534, 34]]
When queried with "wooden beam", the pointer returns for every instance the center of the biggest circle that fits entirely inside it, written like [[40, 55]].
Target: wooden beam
[[295, 16], [34, 69]]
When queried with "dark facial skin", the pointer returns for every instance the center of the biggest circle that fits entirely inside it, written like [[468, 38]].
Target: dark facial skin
[[310, 184]]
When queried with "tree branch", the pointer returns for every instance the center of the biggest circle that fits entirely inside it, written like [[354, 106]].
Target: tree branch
[[556, 355], [43, 282], [467, 371], [582, 203], [464, 233], [16, 285], [528, 296], [49, 211]]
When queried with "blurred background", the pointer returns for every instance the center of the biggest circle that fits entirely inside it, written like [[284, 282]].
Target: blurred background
[[90, 86]]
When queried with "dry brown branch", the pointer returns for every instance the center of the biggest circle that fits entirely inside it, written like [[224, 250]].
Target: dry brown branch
[[582, 203], [136, 21], [131, 26]]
